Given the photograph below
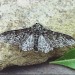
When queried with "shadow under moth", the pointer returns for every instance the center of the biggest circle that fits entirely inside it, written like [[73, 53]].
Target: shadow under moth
[[36, 38]]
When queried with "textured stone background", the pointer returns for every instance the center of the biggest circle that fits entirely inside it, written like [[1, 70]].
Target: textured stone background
[[57, 15]]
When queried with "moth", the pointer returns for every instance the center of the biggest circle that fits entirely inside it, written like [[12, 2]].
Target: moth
[[36, 38]]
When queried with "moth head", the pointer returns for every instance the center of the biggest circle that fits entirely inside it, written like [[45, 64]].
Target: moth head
[[37, 26]]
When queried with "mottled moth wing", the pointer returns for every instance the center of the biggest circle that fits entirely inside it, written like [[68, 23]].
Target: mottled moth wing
[[17, 37], [37, 38], [50, 40], [61, 40], [56, 40]]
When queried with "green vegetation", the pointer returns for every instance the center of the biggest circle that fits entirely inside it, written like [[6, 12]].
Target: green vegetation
[[68, 59]]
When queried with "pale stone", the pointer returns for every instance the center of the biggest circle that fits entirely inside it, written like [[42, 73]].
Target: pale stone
[[57, 15]]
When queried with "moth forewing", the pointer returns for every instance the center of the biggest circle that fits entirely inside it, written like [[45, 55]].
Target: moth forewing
[[65, 40]]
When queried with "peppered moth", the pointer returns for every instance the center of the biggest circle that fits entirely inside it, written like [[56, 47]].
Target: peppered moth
[[36, 38]]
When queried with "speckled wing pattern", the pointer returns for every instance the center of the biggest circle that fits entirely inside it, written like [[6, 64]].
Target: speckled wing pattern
[[18, 37], [36, 38]]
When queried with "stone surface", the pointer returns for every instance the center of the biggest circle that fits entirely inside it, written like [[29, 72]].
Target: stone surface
[[57, 15], [11, 55], [40, 69]]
